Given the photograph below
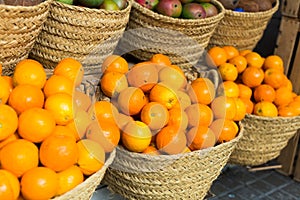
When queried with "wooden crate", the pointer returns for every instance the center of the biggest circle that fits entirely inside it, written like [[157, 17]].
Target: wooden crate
[[290, 8]]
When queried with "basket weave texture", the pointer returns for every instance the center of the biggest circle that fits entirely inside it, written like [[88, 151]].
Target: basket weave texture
[[242, 29], [88, 35], [19, 28], [182, 176], [263, 139], [183, 40]]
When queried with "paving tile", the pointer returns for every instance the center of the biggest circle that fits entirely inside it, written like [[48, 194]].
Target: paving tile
[[262, 186], [277, 179], [279, 195], [293, 189], [247, 193], [218, 188]]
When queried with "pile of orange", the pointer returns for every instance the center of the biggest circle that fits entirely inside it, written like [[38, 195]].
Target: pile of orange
[[158, 111], [259, 82], [44, 151]]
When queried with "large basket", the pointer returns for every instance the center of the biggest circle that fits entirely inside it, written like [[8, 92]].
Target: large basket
[[242, 29], [264, 138], [182, 176], [19, 28], [88, 35], [183, 40]]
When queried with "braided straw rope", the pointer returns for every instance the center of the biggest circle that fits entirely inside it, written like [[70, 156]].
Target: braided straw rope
[[88, 35], [160, 35], [182, 176], [263, 139], [19, 28], [242, 29]]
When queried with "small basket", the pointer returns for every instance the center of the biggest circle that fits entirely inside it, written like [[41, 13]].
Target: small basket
[[88, 35], [182, 176], [242, 30], [264, 138], [183, 40], [19, 28]]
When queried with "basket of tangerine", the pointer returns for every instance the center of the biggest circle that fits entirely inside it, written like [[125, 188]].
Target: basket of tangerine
[[174, 141], [272, 107], [44, 149]]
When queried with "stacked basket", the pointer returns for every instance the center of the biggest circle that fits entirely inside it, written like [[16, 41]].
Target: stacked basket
[[88, 35], [242, 29], [19, 28]]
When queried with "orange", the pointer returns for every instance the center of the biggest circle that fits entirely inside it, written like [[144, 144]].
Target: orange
[[244, 52], [239, 62], [161, 59], [122, 120], [252, 76], [58, 152], [31, 72], [81, 100], [19, 156], [163, 94], [5, 90], [9, 184], [283, 96], [244, 91], [172, 77], [9, 80], [114, 63], [58, 84], [224, 130], [186, 150], [68, 179], [112, 83], [228, 72], [171, 140], [241, 110], [151, 150], [36, 124], [105, 133], [39, 183], [8, 121], [178, 118], [266, 109], [9, 139], [274, 78], [71, 69], [26, 96], [61, 107], [183, 100], [273, 61], [264, 92], [64, 131], [287, 111], [144, 76], [136, 136], [296, 106], [216, 56], [200, 137], [254, 60], [178, 69], [201, 90], [231, 51], [81, 121], [155, 115], [131, 100], [297, 98], [249, 105], [224, 107], [231, 89], [91, 156], [287, 83], [105, 111], [199, 115], [1, 69]]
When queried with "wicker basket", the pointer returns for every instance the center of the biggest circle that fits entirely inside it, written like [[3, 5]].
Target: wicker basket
[[242, 29], [263, 139], [183, 40], [19, 28], [182, 176], [88, 35]]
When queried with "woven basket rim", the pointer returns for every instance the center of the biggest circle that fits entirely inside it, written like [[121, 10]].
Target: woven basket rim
[[26, 8], [161, 17], [256, 117]]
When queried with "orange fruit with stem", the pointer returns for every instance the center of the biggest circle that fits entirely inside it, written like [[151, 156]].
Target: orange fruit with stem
[[178, 118], [200, 137], [58, 84], [254, 60], [244, 91], [8, 121], [39, 183], [274, 61], [58, 152], [91, 157], [114, 63], [112, 83], [216, 56], [274, 78], [265, 109], [252, 76], [283, 96], [224, 107], [224, 129], [155, 115], [172, 77], [71, 69], [163, 94], [10, 185], [201, 90], [5, 90], [171, 140], [239, 62], [26, 96], [199, 115], [161, 59], [231, 51], [228, 72], [31, 72], [19, 156], [36, 124], [264, 92]]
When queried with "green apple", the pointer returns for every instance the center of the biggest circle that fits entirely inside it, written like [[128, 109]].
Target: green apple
[[90, 3], [109, 5], [70, 2]]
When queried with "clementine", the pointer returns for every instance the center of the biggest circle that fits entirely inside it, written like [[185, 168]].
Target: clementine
[[254, 59], [239, 62], [283, 96], [199, 115], [200, 137], [228, 72], [224, 130], [8, 121], [244, 91], [114, 63], [58, 84], [112, 83], [252, 76], [231, 51], [264, 92], [163, 94], [161, 59], [5, 90], [155, 115], [266, 109], [224, 107], [201, 90], [273, 61], [172, 77], [216, 56], [131, 100], [10, 185], [274, 78], [178, 118]]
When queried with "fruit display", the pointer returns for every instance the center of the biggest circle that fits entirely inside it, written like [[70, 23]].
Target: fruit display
[[260, 82], [46, 147], [100, 4], [248, 5], [160, 111], [187, 9]]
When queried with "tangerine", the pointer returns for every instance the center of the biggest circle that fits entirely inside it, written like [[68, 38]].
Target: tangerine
[[178, 118], [239, 62], [224, 129], [8, 121], [216, 56], [252, 76], [114, 63], [58, 84], [199, 115], [264, 92], [161, 59], [228, 72], [254, 60], [131, 100], [231, 51], [10, 186], [201, 90], [200, 137], [112, 83], [266, 109], [163, 94], [5, 90], [274, 78], [273, 61], [224, 107], [155, 115]]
